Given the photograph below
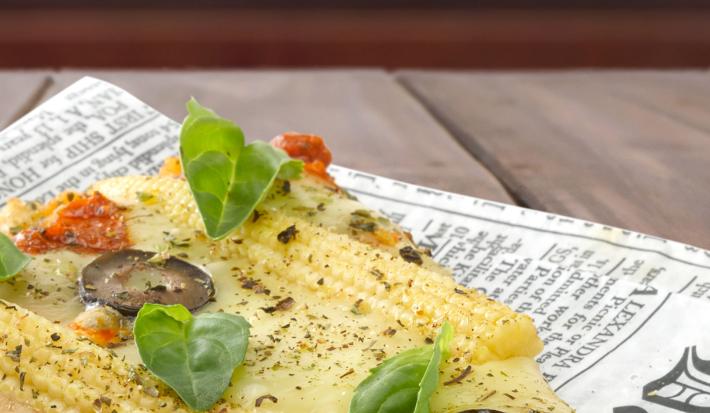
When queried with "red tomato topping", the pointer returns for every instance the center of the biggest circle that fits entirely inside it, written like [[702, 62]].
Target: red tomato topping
[[104, 337], [86, 224], [309, 148]]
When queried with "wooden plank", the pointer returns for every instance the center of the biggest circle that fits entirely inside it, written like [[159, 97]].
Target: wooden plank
[[685, 98], [20, 92], [370, 121], [628, 149]]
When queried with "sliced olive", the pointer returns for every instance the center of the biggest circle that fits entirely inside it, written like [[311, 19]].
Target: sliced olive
[[127, 279]]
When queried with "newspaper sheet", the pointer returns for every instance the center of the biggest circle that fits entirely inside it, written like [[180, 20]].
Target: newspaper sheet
[[625, 317]]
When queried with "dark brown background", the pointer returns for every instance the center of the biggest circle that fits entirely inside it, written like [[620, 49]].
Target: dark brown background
[[390, 34]]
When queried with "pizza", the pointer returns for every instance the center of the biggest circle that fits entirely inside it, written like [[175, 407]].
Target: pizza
[[260, 288]]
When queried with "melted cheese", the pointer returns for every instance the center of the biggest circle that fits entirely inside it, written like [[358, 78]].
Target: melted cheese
[[311, 356], [294, 354], [288, 349]]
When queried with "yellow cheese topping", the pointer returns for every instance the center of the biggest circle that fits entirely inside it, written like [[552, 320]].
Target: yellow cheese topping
[[325, 307]]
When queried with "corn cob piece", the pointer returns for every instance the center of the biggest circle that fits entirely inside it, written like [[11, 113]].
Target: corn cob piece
[[415, 297], [46, 367]]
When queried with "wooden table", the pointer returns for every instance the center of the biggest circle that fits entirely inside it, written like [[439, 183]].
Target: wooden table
[[625, 148]]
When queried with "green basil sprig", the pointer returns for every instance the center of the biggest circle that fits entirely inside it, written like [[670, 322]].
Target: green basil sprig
[[405, 382], [12, 260], [196, 356], [227, 178]]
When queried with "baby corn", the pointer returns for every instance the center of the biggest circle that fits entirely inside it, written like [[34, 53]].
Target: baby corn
[[46, 367], [415, 297]]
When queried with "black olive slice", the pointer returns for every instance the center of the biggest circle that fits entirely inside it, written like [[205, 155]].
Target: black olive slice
[[127, 279]]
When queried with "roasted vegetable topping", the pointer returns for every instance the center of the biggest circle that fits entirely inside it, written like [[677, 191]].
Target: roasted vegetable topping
[[86, 224], [306, 147], [310, 149], [127, 279]]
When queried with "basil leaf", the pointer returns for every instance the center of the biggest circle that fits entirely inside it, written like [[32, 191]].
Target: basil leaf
[[12, 260], [196, 356], [227, 178], [430, 381], [405, 382]]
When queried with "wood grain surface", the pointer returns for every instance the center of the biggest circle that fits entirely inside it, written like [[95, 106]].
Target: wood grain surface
[[629, 149], [625, 148], [19, 92], [368, 119]]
